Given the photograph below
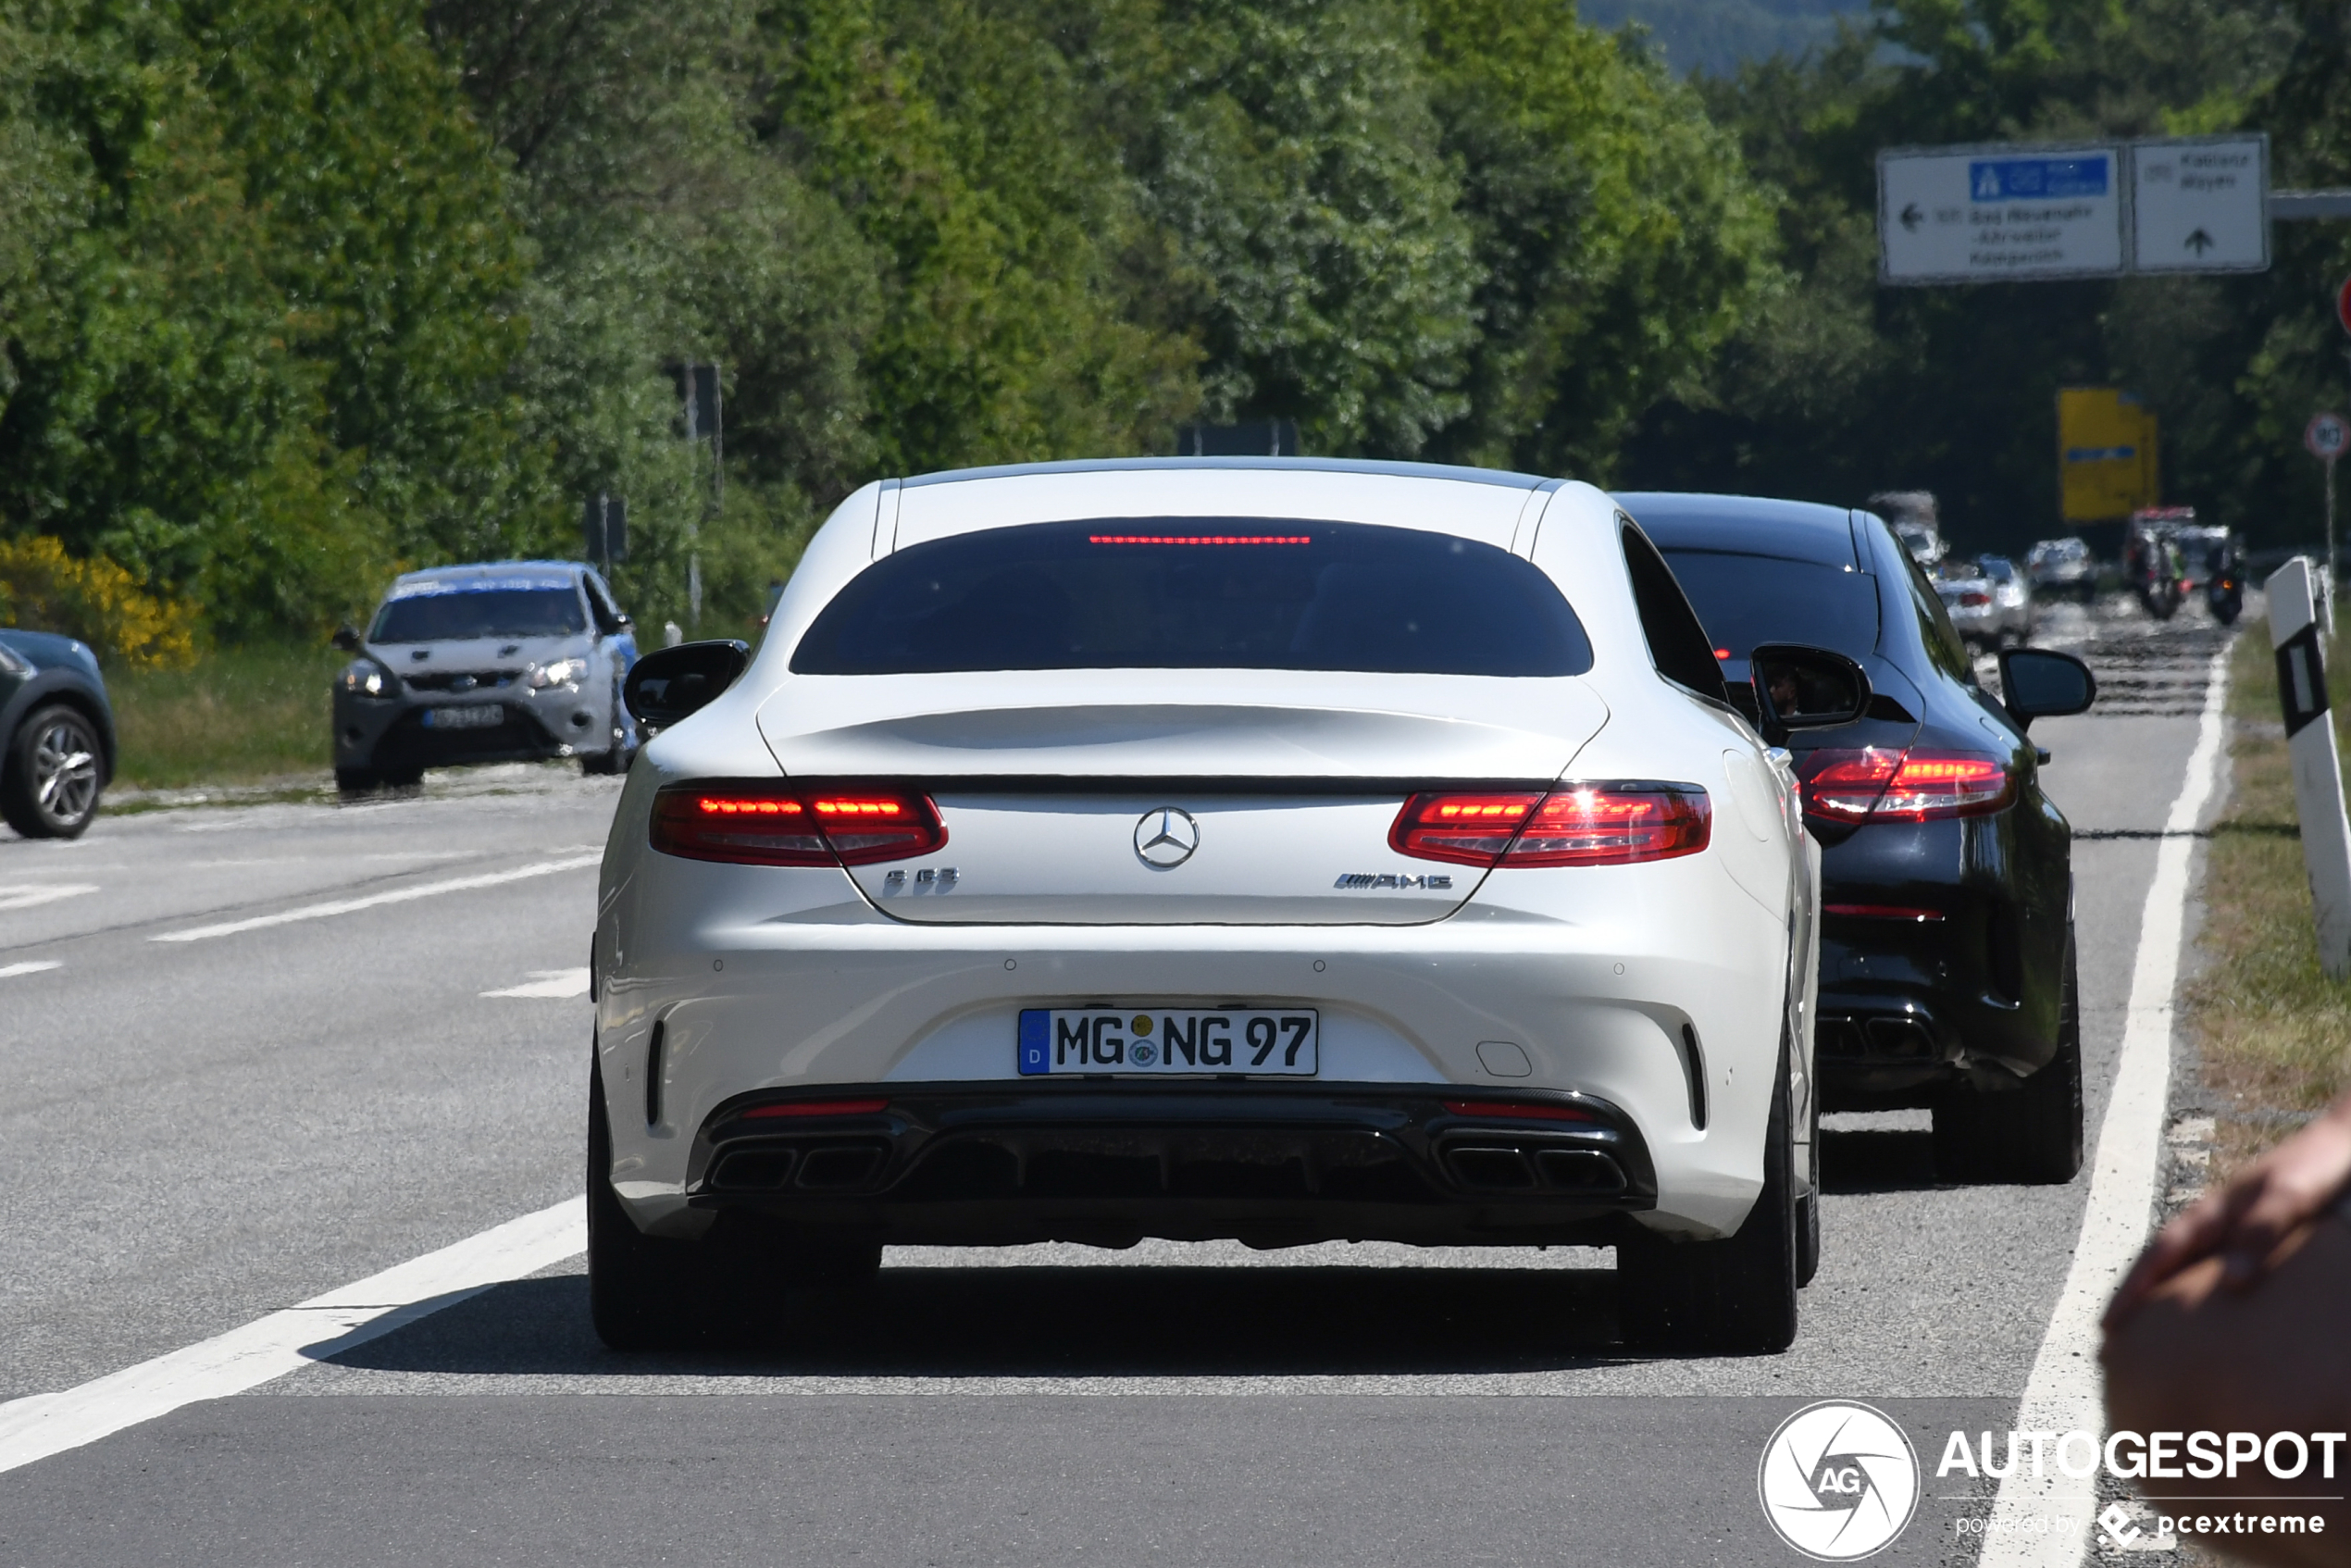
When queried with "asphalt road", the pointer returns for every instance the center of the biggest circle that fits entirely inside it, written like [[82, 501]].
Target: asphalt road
[[196, 1132]]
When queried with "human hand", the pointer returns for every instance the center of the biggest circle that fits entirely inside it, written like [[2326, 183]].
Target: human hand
[[2245, 1221]]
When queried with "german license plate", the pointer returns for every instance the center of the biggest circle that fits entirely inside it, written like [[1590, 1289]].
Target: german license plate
[[1276, 1042], [477, 715]]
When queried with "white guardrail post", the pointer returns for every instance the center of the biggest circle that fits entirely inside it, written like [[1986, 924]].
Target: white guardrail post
[[2296, 628]]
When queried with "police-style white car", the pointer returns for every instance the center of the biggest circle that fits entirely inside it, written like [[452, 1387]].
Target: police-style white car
[[503, 661], [1278, 850]]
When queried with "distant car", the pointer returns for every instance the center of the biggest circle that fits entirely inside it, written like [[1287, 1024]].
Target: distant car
[[500, 662], [2012, 597], [1947, 882], [56, 734], [2063, 567], [1973, 603], [1925, 545]]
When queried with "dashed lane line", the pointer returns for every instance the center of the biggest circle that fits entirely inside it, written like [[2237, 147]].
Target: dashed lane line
[[2064, 1392], [373, 900], [548, 983], [42, 1424], [30, 966], [32, 895]]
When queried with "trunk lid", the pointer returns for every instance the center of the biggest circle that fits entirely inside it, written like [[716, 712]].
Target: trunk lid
[[1117, 797]]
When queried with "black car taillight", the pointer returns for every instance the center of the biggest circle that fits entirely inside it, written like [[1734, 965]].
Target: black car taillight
[[1878, 785], [852, 824]]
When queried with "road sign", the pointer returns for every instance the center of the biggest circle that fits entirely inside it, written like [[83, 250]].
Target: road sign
[[2326, 436], [2200, 204], [2106, 453], [2343, 304], [1979, 215]]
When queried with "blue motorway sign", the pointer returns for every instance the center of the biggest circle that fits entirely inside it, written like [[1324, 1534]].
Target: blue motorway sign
[[1998, 179]]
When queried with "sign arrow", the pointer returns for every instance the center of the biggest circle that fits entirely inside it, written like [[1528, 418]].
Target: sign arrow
[[1912, 217], [2200, 242]]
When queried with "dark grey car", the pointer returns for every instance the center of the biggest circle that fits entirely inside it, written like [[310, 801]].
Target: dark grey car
[[504, 661], [56, 734]]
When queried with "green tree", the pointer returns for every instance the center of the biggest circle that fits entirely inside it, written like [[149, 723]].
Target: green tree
[[1618, 237]]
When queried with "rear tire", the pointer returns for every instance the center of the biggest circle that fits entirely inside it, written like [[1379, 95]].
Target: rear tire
[[656, 1293], [1737, 1295], [1808, 1215], [357, 780], [644, 1292], [2031, 1133]]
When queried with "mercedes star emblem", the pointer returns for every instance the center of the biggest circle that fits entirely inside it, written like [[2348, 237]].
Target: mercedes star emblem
[[1167, 836]]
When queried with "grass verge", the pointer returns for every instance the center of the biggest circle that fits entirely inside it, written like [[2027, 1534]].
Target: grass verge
[[2273, 1031], [237, 716]]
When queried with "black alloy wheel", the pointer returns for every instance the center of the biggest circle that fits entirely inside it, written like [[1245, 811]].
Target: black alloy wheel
[[52, 775], [1735, 1296], [2031, 1133]]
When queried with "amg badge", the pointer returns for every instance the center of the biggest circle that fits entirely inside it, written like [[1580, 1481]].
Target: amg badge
[[1368, 880]]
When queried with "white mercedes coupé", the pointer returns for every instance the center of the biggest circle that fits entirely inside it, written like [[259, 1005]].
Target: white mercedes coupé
[[1277, 849]]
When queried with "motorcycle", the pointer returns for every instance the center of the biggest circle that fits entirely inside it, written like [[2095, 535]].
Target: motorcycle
[[2224, 596]]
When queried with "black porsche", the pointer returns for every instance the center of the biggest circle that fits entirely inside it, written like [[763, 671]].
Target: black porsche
[[1946, 952]]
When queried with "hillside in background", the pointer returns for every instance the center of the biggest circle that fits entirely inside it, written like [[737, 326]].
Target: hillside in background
[[1718, 37]]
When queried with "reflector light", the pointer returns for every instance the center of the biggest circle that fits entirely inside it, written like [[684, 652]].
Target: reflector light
[[1199, 539], [784, 825], [817, 1108], [1523, 1112], [1882, 911], [1878, 785], [1614, 824]]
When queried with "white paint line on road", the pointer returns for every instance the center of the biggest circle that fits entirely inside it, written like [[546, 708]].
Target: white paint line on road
[[549, 982], [2064, 1392], [30, 966], [42, 1424], [32, 895], [373, 900]]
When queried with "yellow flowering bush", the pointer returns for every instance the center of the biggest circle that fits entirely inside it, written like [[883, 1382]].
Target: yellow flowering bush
[[43, 589]]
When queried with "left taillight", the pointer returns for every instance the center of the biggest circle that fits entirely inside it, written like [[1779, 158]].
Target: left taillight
[[1612, 824], [795, 825], [1878, 785]]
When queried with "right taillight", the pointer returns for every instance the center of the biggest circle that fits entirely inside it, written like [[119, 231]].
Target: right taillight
[[763, 824], [1613, 823], [1879, 785]]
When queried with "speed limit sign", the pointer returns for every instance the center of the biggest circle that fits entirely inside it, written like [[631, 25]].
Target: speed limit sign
[[2327, 436]]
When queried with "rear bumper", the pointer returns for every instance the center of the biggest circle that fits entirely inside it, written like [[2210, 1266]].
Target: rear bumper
[[1907, 1007], [1108, 1164]]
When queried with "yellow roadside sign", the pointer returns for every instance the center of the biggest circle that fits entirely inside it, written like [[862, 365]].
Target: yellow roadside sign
[[2106, 453]]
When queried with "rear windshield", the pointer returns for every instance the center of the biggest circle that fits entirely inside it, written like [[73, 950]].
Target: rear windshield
[[1199, 593], [1745, 600], [490, 612]]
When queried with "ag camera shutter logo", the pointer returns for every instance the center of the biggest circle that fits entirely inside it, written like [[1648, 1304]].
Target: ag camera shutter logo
[[1838, 1482]]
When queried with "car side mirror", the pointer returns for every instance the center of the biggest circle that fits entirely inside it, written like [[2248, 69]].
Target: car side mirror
[[346, 638], [1802, 688], [2043, 683], [666, 686]]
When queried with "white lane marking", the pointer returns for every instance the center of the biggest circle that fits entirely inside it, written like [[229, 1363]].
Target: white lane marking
[[32, 966], [2065, 1392], [29, 895], [549, 982], [34, 1428], [397, 895]]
